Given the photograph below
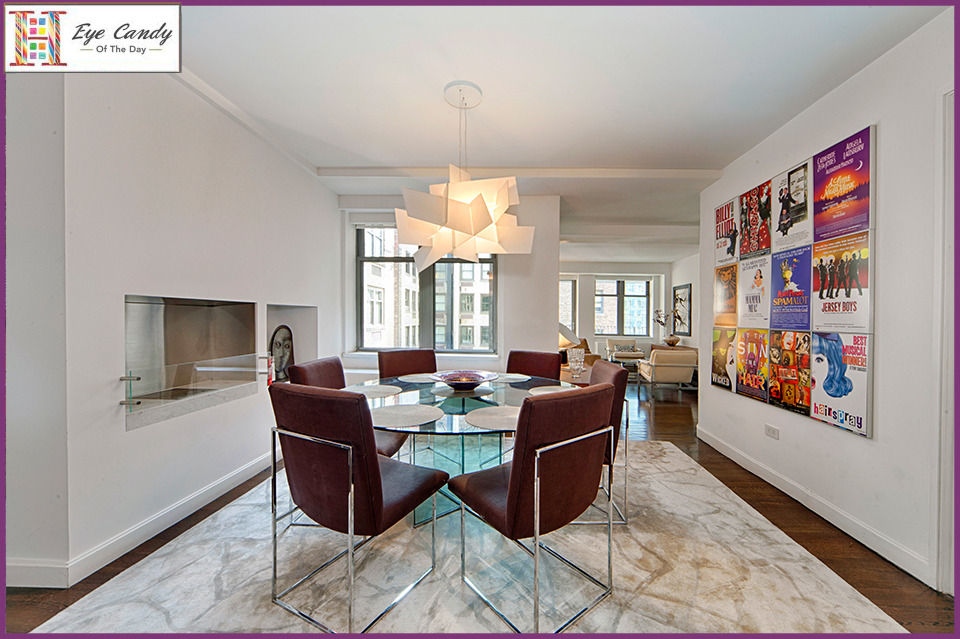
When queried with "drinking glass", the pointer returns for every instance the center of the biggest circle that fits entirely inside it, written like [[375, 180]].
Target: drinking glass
[[575, 358]]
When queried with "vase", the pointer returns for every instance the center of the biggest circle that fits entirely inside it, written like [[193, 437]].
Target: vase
[[671, 340]]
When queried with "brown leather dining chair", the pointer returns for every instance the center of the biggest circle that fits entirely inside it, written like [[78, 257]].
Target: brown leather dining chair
[[535, 363], [604, 372], [397, 362], [552, 479], [337, 479], [327, 372], [407, 361]]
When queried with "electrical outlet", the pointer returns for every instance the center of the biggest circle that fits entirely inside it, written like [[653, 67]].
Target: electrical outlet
[[771, 431]]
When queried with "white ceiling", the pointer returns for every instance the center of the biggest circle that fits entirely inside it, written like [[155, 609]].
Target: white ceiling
[[627, 113]]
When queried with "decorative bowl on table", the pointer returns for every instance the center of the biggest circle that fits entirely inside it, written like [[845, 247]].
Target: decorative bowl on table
[[464, 380]]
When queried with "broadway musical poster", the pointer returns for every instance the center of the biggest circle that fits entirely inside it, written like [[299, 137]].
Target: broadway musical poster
[[841, 288], [791, 280], [753, 303], [727, 248], [755, 221], [725, 295], [752, 357], [792, 220], [840, 370], [790, 371], [724, 369], [842, 187]]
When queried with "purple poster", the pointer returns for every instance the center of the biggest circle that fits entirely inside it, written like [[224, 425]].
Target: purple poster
[[841, 187], [791, 279]]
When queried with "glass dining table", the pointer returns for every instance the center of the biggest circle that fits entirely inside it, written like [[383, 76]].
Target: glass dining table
[[454, 431]]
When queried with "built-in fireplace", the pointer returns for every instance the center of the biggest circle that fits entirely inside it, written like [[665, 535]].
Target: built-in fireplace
[[186, 354]]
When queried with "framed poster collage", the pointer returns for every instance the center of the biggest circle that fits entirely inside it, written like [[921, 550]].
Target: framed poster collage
[[792, 297]]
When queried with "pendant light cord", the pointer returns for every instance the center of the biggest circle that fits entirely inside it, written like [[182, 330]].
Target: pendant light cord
[[463, 112], [462, 134]]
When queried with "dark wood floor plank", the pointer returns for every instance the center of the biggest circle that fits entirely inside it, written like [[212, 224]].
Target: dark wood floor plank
[[913, 605]]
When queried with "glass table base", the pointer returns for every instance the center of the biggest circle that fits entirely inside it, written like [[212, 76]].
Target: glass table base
[[455, 454]]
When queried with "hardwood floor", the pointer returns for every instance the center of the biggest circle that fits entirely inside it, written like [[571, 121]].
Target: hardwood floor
[[912, 604]]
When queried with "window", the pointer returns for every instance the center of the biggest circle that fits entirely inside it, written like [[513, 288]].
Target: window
[[375, 302], [374, 243], [568, 304], [390, 291], [454, 281], [636, 305], [622, 307]]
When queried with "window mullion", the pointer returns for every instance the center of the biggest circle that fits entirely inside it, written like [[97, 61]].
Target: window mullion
[[621, 307]]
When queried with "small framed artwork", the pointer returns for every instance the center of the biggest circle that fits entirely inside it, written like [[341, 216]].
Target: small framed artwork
[[681, 309]]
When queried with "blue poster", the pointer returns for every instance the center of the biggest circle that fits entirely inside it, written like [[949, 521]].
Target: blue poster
[[791, 278]]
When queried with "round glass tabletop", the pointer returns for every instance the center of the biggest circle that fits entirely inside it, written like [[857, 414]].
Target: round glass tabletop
[[454, 405]]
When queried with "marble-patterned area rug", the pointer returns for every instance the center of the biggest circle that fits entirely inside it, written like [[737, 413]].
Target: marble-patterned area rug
[[694, 558]]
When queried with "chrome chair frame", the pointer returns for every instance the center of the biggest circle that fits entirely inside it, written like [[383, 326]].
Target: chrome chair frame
[[652, 383], [276, 597], [537, 545], [607, 490]]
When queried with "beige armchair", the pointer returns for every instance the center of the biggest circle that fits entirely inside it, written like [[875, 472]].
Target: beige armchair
[[668, 365], [623, 349]]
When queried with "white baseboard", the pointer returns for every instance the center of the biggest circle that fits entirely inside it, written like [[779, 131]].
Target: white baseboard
[[920, 567], [38, 573]]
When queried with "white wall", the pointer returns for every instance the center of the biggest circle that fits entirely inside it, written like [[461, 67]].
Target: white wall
[[881, 490], [36, 425], [687, 271], [528, 288], [528, 296], [167, 196]]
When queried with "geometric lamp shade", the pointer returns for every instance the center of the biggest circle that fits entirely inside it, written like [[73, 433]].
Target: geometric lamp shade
[[464, 217]]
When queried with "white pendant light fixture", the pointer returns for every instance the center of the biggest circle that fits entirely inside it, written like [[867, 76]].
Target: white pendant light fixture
[[463, 217]]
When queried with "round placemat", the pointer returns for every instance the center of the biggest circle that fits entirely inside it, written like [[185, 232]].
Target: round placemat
[[542, 390], [374, 390], [512, 378], [445, 391], [494, 417], [417, 378], [403, 415]]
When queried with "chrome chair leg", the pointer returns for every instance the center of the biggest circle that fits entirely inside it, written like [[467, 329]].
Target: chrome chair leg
[[537, 545], [349, 551], [621, 514]]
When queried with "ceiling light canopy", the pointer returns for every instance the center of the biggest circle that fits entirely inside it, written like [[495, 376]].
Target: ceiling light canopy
[[463, 217]]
